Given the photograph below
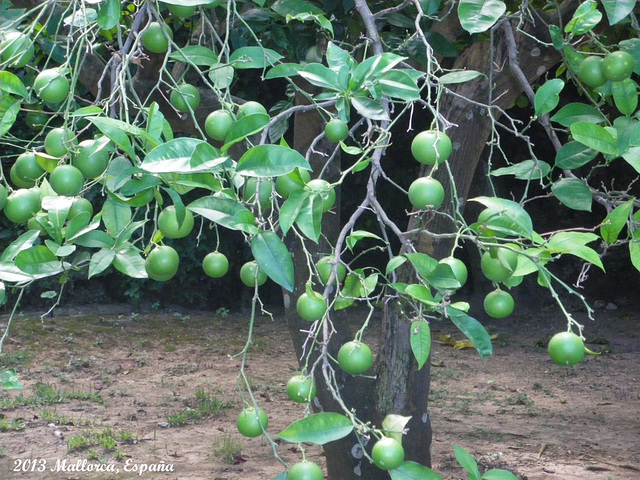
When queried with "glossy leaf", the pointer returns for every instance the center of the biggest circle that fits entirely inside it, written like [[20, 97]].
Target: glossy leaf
[[130, 262], [498, 474], [245, 127], [634, 253], [369, 108], [9, 380], [575, 243], [94, 239], [11, 83], [625, 96], [423, 263], [478, 16], [394, 263], [420, 341], [510, 218], [183, 155], [577, 112], [196, 54], [574, 155], [24, 241], [613, 223], [309, 219], [526, 170], [38, 260], [274, 258], [187, 3], [253, 57], [632, 157], [358, 235], [225, 212], [573, 193], [459, 77], [594, 136], [100, 261], [473, 330], [114, 130], [9, 109], [318, 429], [109, 14], [271, 161], [467, 462], [584, 19], [618, 10], [283, 70], [116, 215], [548, 96], [413, 471], [320, 76], [399, 84]]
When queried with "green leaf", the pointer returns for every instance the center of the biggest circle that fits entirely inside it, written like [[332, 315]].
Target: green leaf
[[221, 75], [291, 208], [113, 129], [60, 250], [625, 96], [574, 243], [420, 341], [38, 260], [527, 170], [187, 3], [9, 109], [413, 471], [245, 127], [369, 108], [573, 193], [423, 294], [100, 261], [196, 54], [394, 426], [443, 278], [309, 219], [10, 273], [548, 96], [613, 223], [574, 155], [130, 262], [183, 155], [226, 212], [632, 157], [253, 57], [3, 293], [577, 112], [320, 76], [510, 217], [318, 429], [459, 77], [399, 84], [467, 462], [11, 83], [498, 474], [584, 19], [116, 215], [478, 16], [423, 263], [283, 70], [634, 253], [109, 14], [271, 161], [358, 235], [618, 10], [473, 330], [9, 380], [594, 136], [394, 263], [24, 241], [274, 258], [94, 239], [556, 37]]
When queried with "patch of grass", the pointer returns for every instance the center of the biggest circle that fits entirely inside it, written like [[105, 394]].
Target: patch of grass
[[520, 398], [16, 359], [46, 394], [106, 439], [11, 426], [201, 406], [227, 449]]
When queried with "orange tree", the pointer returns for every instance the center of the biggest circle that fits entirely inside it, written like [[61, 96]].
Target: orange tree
[[149, 110]]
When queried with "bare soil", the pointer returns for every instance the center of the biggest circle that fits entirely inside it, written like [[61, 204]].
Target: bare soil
[[142, 376]]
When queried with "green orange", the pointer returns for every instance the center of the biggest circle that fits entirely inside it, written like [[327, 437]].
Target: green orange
[[566, 348], [431, 146], [66, 180], [169, 225], [355, 357], [162, 263], [51, 86]]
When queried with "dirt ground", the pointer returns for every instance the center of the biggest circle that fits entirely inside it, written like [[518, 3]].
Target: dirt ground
[[159, 388]]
